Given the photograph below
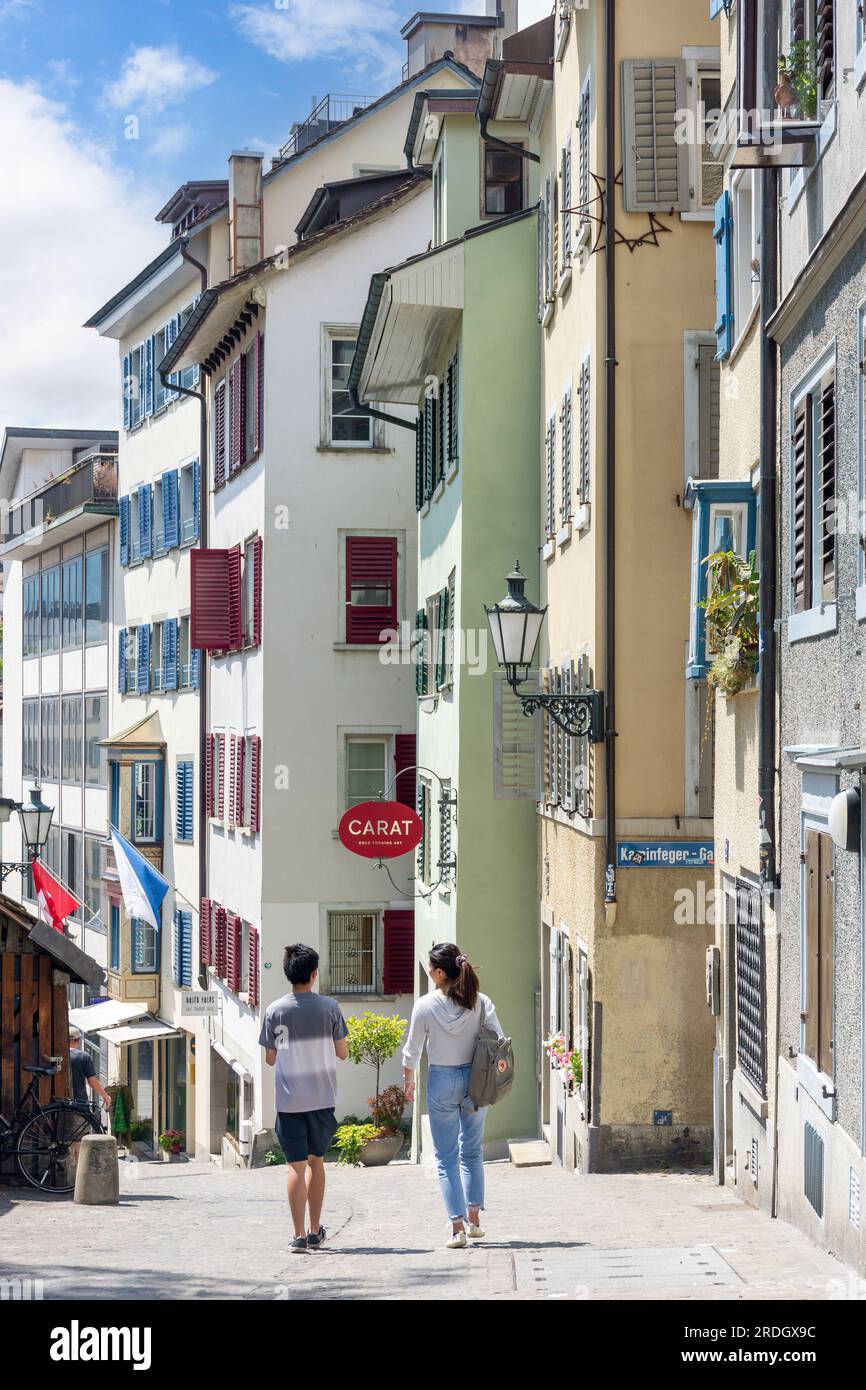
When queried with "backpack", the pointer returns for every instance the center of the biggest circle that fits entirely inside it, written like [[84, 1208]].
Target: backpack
[[492, 1073]]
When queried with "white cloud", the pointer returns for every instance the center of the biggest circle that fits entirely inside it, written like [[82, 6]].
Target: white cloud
[[362, 34], [17, 9], [73, 231], [170, 141], [153, 78]]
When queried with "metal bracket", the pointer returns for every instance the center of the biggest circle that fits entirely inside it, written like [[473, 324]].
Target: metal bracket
[[579, 716]]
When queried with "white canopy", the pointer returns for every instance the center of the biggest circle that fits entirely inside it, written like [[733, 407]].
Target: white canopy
[[105, 1015]]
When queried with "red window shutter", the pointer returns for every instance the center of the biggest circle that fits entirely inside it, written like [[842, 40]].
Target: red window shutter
[[371, 563], [240, 809], [219, 457], [257, 591], [260, 391], [234, 941], [253, 967], [238, 414], [214, 624], [399, 965], [208, 774], [232, 798], [220, 943], [255, 779], [234, 581], [404, 757], [220, 779], [205, 932]]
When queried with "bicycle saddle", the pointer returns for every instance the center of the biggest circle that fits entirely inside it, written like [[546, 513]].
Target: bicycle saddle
[[41, 1071]]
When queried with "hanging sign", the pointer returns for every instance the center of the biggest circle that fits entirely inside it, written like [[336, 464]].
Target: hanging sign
[[381, 829], [198, 1004], [665, 854]]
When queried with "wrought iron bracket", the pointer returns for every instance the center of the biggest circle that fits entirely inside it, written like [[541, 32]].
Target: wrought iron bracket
[[578, 715], [7, 869]]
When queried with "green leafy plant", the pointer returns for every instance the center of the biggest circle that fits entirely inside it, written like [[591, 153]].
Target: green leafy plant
[[387, 1110], [801, 66], [141, 1129], [731, 608], [172, 1141], [274, 1157], [350, 1140], [373, 1039]]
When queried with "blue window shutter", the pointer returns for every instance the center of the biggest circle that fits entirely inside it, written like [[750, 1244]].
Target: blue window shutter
[[176, 950], [143, 672], [175, 330], [724, 327], [169, 654], [186, 949], [124, 530], [121, 661], [170, 509], [148, 377], [196, 499], [716, 7], [195, 668], [124, 387], [145, 516]]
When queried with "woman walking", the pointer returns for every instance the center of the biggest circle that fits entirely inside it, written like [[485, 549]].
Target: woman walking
[[448, 1020]]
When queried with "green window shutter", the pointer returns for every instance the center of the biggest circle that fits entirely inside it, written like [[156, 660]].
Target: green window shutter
[[452, 409], [441, 636], [442, 430], [421, 652], [517, 744], [420, 802], [419, 462], [429, 446], [655, 163]]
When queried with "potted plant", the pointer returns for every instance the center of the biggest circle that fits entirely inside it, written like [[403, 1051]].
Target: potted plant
[[567, 1061], [172, 1143], [372, 1040], [797, 91], [731, 607]]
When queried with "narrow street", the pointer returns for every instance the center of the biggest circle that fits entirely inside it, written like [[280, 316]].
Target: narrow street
[[195, 1232]]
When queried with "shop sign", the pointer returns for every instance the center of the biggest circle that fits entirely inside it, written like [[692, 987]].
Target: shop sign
[[381, 829]]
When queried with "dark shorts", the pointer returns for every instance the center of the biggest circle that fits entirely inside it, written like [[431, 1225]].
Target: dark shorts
[[305, 1132]]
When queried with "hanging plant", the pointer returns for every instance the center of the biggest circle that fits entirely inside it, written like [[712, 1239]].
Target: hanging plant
[[731, 608]]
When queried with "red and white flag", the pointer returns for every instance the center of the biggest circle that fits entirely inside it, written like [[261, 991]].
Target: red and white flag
[[55, 904]]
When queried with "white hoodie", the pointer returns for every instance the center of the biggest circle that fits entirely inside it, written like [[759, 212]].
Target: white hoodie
[[450, 1030]]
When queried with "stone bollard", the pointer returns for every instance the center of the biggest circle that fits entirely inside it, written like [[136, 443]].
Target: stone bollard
[[97, 1177]]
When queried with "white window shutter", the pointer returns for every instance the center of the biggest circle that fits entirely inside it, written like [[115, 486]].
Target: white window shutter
[[655, 163], [568, 749], [517, 747]]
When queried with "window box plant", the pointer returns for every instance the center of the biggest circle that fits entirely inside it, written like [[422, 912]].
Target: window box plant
[[731, 607], [172, 1143]]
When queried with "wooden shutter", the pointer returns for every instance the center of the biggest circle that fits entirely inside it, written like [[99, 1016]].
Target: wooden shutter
[[125, 390], [565, 445], [798, 21], [148, 377], [655, 164], [255, 782], [170, 509], [169, 654], [825, 46], [441, 635], [257, 591], [205, 932], [371, 562], [549, 233], [516, 747], [404, 758], [550, 465], [240, 758], [826, 990], [801, 469], [253, 966], [585, 445], [232, 800], [219, 433], [209, 750], [145, 520], [421, 652], [220, 942], [255, 405], [220, 777], [826, 483], [123, 510], [234, 946], [453, 388], [419, 461], [142, 672], [196, 500], [442, 430], [540, 258], [235, 599], [583, 156], [237, 414], [399, 952], [214, 621], [565, 209], [429, 446], [709, 381], [722, 229]]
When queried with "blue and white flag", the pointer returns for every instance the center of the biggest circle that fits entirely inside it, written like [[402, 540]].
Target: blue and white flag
[[142, 885]]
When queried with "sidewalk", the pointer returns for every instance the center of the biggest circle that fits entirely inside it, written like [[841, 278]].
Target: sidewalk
[[192, 1231]]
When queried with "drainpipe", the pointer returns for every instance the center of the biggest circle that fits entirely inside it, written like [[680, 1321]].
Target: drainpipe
[[363, 409], [610, 457]]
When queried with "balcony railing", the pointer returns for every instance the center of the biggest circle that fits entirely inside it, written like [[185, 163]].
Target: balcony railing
[[330, 112], [92, 480]]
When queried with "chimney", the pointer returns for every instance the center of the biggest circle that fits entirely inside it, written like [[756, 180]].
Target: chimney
[[507, 10], [470, 38], [246, 232]]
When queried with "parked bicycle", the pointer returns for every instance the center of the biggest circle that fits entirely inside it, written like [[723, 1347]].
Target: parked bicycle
[[43, 1137]]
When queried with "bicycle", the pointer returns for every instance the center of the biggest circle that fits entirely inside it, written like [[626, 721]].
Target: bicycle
[[42, 1136]]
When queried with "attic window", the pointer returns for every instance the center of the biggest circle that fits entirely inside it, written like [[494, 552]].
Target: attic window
[[503, 181]]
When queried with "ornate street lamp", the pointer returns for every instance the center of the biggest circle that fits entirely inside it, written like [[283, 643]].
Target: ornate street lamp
[[515, 626], [35, 819]]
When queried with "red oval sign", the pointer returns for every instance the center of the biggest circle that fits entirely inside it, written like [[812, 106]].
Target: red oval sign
[[381, 829]]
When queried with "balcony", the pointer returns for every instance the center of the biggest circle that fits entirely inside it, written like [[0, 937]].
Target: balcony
[[63, 507], [332, 111]]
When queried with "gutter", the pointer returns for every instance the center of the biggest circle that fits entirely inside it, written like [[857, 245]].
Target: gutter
[[610, 459], [365, 333], [484, 111]]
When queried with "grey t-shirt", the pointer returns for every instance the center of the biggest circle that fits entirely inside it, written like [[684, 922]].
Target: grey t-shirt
[[303, 1028]]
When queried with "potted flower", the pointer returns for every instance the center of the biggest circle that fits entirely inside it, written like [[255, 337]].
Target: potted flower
[[567, 1061], [797, 92], [731, 607], [172, 1143], [372, 1040]]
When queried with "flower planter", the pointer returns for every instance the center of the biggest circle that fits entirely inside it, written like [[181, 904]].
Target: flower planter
[[169, 1157], [377, 1152]]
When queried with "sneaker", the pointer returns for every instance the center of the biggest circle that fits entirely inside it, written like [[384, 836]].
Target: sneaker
[[317, 1240], [299, 1245], [476, 1232], [457, 1241]]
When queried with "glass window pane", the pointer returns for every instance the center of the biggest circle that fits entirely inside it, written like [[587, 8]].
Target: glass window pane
[[347, 425], [72, 738], [365, 770], [50, 749], [93, 883], [51, 609], [72, 579], [144, 801], [96, 596], [95, 729]]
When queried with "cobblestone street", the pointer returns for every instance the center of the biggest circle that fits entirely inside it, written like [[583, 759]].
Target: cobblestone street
[[192, 1231]]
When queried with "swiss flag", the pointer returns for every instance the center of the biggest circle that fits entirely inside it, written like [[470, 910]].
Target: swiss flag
[[55, 904]]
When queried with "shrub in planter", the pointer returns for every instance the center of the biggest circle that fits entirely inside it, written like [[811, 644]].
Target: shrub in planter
[[731, 607], [350, 1140], [372, 1040]]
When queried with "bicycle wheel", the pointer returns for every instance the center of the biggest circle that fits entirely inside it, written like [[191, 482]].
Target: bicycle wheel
[[45, 1149]]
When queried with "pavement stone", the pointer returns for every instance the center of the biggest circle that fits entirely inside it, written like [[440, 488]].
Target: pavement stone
[[192, 1231]]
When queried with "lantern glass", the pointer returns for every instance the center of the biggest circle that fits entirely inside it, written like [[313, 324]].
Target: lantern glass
[[515, 625], [36, 820]]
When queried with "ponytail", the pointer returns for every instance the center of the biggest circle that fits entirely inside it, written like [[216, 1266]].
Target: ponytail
[[463, 984]]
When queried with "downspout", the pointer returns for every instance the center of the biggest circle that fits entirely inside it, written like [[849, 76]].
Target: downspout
[[379, 414], [610, 458], [505, 144]]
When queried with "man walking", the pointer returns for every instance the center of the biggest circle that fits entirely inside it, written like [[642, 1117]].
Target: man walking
[[84, 1072], [303, 1034]]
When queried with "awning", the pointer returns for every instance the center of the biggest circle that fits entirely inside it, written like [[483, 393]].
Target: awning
[[108, 1014], [140, 1031], [81, 967]]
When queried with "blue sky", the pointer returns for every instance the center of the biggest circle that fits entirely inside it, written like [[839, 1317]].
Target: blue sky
[[106, 107]]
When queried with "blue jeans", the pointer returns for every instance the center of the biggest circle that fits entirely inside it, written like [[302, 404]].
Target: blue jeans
[[458, 1134]]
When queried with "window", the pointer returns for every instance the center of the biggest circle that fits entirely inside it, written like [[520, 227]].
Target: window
[[184, 802], [95, 729], [746, 266], [708, 172], [814, 21], [134, 365], [72, 738], [185, 653], [144, 940], [51, 610], [250, 395], [73, 624], [131, 659], [114, 942], [861, 24], [50, 750], [70, 865], [30, 740], [156, 655], [96, 596], [162, 341], [818, 968], [503, 181], [189, 502], [352, 965], [51, 856], [371, 588], [813, 494], [221, 433], [366, 769], [251, 593], [751, 1050], [31, 615], [158, 517], [723, 518], [144, 801], [347, 427], [438, 204], [93, 883]]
